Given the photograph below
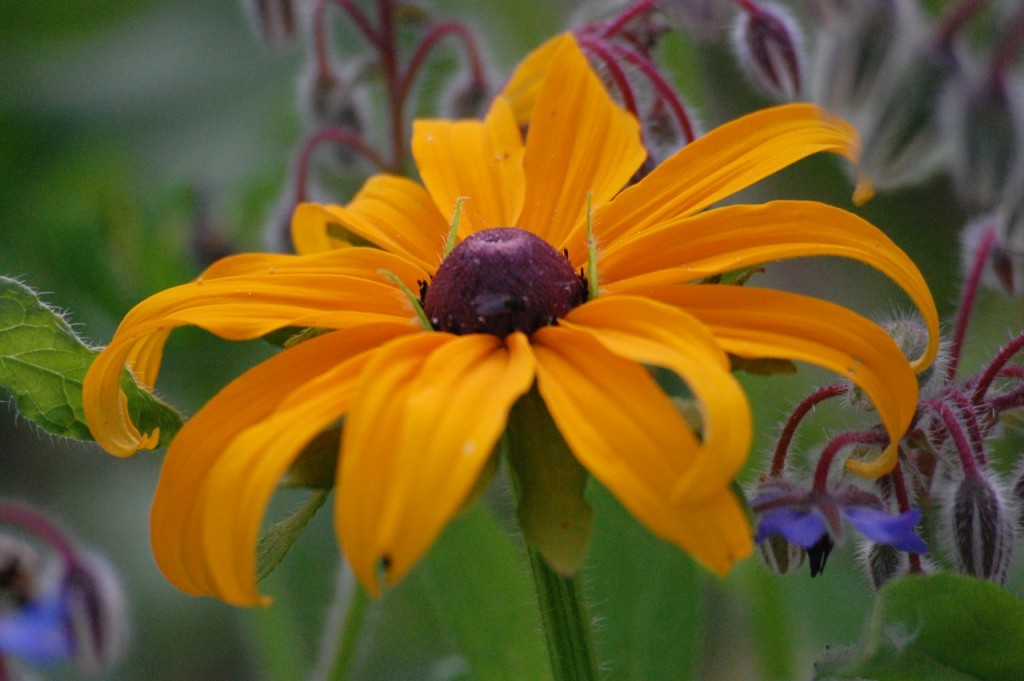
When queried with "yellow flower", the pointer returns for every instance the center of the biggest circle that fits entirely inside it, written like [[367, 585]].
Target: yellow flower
[[424, 408]]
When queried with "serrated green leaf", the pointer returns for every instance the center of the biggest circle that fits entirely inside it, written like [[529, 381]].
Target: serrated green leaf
[[43, 364], [274, 544], [939, 626]]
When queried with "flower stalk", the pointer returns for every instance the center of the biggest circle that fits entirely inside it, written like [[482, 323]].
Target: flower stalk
[[566, 620]]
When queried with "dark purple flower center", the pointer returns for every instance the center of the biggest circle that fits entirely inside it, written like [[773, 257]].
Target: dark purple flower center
[[502, 280]]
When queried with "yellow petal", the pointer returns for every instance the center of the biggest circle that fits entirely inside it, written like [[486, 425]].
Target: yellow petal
[[652, 333], [223, 465], [429, 411], [761, 323], [480, 162], [628, 434], [523, 87], [721, 163], [579, 142], [239, 298], [734, 237], [393, 213]]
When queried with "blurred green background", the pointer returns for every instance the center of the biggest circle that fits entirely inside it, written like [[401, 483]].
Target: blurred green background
[[138, 137]]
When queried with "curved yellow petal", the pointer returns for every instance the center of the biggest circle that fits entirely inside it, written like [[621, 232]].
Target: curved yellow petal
[[725, 160], [734, 237], [652, 333], [480, 162], [753, 323], [523, 88], [238, 298], [223, 465], [628, 434], [579, 142], [391, 212], [429, 411]]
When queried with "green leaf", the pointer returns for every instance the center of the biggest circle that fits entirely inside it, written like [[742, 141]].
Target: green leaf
[[942, 626], [274, 544], [478, 577], [467, 611], [43, 364], [647, 595]]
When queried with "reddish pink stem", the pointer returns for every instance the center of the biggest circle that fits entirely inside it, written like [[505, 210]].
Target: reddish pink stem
[[834, 446], [341, 136], [665, 90], [963, 447], [971, 287], [802, 409], [429, 42], [618, 76], [903, 500], [749, 7], [995, 367], [627, 16]]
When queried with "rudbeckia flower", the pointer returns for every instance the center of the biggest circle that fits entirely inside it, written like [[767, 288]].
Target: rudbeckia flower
[[561, 277]]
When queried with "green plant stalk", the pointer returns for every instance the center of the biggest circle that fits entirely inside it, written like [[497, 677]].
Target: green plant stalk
[[566, 620], [349, 634], [564, 613]]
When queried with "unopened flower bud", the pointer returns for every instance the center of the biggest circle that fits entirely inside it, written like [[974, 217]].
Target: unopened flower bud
[[903, 138], [1018, 494], [882, 563], [465, 98], [859, 43], [768, 44], [781, 556], [979, 527], [330, 97], [983, 123], [275, 21], [95, 612]]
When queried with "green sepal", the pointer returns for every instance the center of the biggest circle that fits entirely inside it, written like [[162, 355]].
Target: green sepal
[[278, 539], [942, 626], [761, 366], [555, 517], [43, 364]]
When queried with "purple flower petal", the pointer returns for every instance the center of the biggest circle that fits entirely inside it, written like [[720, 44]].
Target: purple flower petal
[[802, 528], [879, 526]]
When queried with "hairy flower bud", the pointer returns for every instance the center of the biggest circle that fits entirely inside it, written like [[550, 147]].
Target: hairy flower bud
[[979, 527], [465, 98], [95, 614], [903, 139], [983, 123], [768, 44], [882, 563], [781, 556], [275, 21], [858, 44], [331, 97]]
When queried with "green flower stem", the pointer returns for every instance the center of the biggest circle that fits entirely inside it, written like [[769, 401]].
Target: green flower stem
[[566, 620], [351, 627]]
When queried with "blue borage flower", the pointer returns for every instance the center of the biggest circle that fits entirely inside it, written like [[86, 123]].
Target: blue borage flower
[[38, 632], [813, 519]]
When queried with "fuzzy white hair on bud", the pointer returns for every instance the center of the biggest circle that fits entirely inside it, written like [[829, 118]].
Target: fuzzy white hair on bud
[[979, 525], [768, 44]]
